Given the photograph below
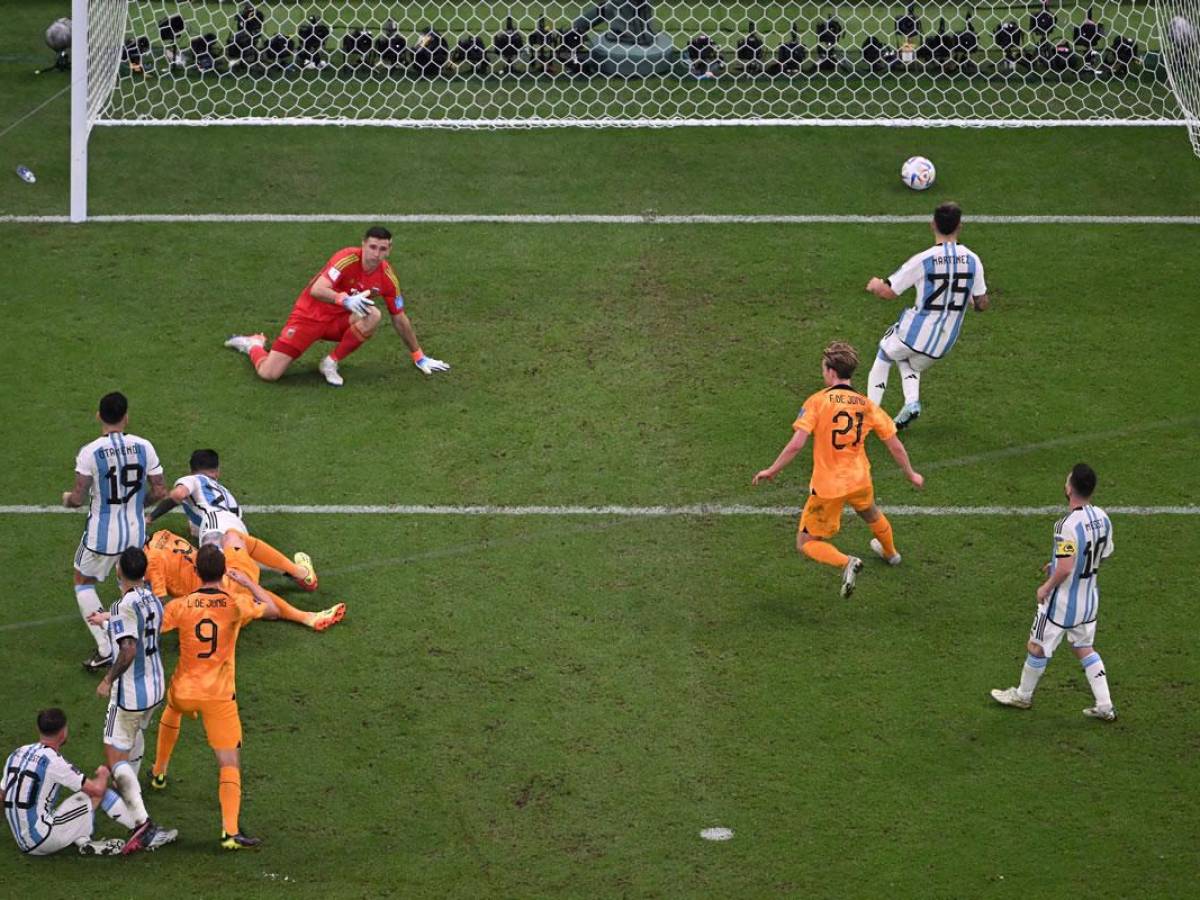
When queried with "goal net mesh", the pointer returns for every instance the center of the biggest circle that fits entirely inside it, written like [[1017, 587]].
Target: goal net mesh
[[450, 63]]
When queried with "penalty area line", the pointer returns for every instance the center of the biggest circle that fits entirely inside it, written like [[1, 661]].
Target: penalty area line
[[692, 510], [645, 218]]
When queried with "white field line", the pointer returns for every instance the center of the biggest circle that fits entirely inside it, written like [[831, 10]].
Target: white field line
[[1065, 441], [691, 510], [648, 218]]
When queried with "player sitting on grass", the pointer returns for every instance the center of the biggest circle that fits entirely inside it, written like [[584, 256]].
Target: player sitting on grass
[[839, 419], [32, 778], [202, 492], [171, 572], [338, 305], [946, 277]]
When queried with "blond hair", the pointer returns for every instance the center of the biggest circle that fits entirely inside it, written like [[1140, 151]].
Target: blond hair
[[841, 357]]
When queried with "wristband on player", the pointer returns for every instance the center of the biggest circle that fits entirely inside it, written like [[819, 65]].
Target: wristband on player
[[341, 299], [418, 355]]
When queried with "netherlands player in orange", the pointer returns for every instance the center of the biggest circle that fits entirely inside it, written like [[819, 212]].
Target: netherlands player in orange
[[338, 305], [204, 682], [172, 573], [839, 419]]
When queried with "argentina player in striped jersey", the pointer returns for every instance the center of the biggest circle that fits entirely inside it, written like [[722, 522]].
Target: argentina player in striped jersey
[[135, 686], [1069, 599], [121, 472], [200, 492], [33, 777], [210, 506], [947, 277]]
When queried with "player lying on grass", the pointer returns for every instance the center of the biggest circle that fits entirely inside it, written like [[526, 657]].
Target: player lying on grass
[[839, 419], [201, 492], [171, 572], [946, 277], [338, 305], [203, 684], [1068, 601]]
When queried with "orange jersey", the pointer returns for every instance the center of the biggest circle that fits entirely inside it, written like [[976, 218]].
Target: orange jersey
[[839, 420], [208, 621], [345, 272], [171, 565]]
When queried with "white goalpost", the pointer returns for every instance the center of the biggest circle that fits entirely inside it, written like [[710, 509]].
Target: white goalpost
[[629, 63]]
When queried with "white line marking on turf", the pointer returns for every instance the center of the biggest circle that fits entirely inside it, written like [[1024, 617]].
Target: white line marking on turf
[[1065, 441], [648, 218], [13, 626], [695, 509]]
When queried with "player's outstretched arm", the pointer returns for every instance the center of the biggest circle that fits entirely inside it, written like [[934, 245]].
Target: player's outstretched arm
[[427, 364], [900, 455], [881, 289], [178, 495], [786, 455]]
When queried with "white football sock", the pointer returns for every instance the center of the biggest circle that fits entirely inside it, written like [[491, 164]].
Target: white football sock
[[131, 791], [1030, 673], [910, 382], [877, 383], [89, 602], [116, 809], [1097, 679]]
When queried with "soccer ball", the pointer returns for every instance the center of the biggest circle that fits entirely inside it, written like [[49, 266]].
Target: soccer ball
[[918, 173], [58, 34]]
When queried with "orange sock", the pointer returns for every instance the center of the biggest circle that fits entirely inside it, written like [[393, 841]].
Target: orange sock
[[825, 552], [168, 734], [882, 529], [289, 612], [263, 553], [229, 791]]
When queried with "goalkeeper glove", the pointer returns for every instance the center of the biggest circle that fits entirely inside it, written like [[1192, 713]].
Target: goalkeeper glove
[[429, 365], [357, 304]]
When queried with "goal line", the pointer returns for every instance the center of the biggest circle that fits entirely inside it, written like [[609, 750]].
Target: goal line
[[690, 510]]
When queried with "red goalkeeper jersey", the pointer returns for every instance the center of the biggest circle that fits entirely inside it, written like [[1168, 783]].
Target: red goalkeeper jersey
[[345, 271]]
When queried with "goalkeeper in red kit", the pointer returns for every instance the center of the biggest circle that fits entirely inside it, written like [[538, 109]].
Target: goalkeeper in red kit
[[338, 305]]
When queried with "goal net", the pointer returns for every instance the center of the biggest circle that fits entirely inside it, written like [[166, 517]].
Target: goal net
[[488, 63]]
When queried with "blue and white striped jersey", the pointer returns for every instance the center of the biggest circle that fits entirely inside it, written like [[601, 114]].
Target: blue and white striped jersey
[[119, 465], [946, 277], [32, 776], [138, 615], [1086, 534], [205, 493]]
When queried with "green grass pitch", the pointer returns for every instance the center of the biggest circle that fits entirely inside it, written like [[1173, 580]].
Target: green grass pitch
[[529, 707]]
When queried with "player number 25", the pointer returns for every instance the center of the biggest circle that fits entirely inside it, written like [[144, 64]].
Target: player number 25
[[958, 284]]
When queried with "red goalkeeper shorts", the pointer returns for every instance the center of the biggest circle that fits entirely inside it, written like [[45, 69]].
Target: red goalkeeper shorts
[[301, 332]]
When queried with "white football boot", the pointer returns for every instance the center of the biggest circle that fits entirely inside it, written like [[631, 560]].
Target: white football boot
[[849, 573], [878, 548], [1011, 697], [328, 368]]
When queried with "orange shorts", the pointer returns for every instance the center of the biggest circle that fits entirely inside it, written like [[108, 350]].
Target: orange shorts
[[822, 516], [240, 559], [222, 724]]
